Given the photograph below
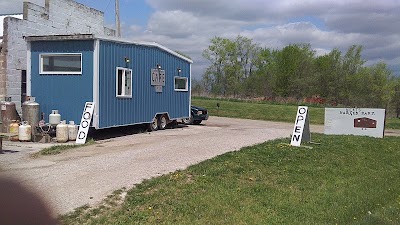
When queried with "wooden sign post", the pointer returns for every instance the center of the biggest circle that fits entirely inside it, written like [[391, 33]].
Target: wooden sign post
[[85, 123], [301, 130]]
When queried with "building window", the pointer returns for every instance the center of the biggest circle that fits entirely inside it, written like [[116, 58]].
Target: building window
[[181, 84], [61, 63], [124, 82]]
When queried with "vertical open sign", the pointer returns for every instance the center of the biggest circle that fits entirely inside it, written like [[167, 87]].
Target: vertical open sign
[[85, 123], [301, 130]]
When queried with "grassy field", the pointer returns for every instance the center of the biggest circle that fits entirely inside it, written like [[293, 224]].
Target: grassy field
[[344, 180], [265, 111]]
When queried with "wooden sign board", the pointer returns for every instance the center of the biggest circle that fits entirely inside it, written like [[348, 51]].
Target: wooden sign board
[[355, 121], [85, 123], [301, 130]]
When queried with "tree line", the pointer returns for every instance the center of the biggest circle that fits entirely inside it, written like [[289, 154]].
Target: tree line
[[242, 68]]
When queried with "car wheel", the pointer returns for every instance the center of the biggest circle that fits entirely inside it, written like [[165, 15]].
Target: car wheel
[[162, 122], [188, 121], [197, 122], [153, 126]]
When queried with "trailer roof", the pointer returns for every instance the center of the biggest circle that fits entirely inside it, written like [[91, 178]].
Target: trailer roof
[[106, 38]]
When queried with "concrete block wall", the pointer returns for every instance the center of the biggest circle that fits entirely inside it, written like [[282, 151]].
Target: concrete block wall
[[57, 17]]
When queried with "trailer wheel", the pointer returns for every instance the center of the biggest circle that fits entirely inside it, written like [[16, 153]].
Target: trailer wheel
[[153, 126], [162, 122]]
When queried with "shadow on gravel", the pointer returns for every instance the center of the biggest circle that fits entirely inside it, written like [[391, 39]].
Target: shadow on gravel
[[8, 151], [113, 132]]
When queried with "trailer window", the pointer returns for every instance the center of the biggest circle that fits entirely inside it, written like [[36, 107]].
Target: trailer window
[[181, 84], [124, 82], [61, 63]]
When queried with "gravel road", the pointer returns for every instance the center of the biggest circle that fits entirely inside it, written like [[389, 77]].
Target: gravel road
[[87, 175]]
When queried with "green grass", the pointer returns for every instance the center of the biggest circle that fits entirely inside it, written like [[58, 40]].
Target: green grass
[[392, 123], [257, 111], [57, 149], [267, 111], [344, 180]]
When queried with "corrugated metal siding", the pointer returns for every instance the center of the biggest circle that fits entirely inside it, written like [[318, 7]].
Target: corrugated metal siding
[[66, 93], [145, 102]]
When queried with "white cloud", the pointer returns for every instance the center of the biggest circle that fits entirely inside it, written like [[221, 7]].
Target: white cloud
[[135, 28], [188, 26]]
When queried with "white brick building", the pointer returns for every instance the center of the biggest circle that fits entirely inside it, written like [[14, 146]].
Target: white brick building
[[57, 17]]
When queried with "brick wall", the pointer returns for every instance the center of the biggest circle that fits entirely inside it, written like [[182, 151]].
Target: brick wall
[[57, 17]]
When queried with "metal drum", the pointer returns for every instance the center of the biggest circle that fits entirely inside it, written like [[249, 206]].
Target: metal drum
[[8, 113], [30, 113]]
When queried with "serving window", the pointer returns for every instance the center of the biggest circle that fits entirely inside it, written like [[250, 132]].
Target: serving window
[[124, 82]]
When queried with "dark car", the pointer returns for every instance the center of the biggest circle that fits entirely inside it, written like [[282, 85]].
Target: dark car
[[197, 115]]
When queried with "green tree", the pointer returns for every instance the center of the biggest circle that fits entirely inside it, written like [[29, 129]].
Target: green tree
[[352, 63], [260, 83], [395, 100], [232, 62], [214, 76], [326, 81], [382, 85], [292, 68]]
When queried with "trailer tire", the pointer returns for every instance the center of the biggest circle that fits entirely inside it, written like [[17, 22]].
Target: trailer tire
[[153, 126], [162, 122]]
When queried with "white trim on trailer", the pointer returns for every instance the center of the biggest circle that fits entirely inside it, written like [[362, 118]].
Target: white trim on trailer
[[96, 66], [186, 84], [28, 70], [120, 86], [106, 38], [190, 90], [41, 64], [144, 43]]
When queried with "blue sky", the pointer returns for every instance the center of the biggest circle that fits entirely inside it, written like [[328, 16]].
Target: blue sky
[[132, 12], [188, 25]]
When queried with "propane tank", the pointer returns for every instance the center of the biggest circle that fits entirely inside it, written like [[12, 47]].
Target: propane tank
[[24, 131], [62, 132], [14, 127], [72, 131], [54, 117], [8, 113], [30, 113]]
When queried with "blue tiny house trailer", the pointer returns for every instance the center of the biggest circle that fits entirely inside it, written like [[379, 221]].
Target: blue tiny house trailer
[[129, 82]]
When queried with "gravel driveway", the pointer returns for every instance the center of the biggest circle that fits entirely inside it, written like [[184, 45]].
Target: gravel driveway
[[87, 175]]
